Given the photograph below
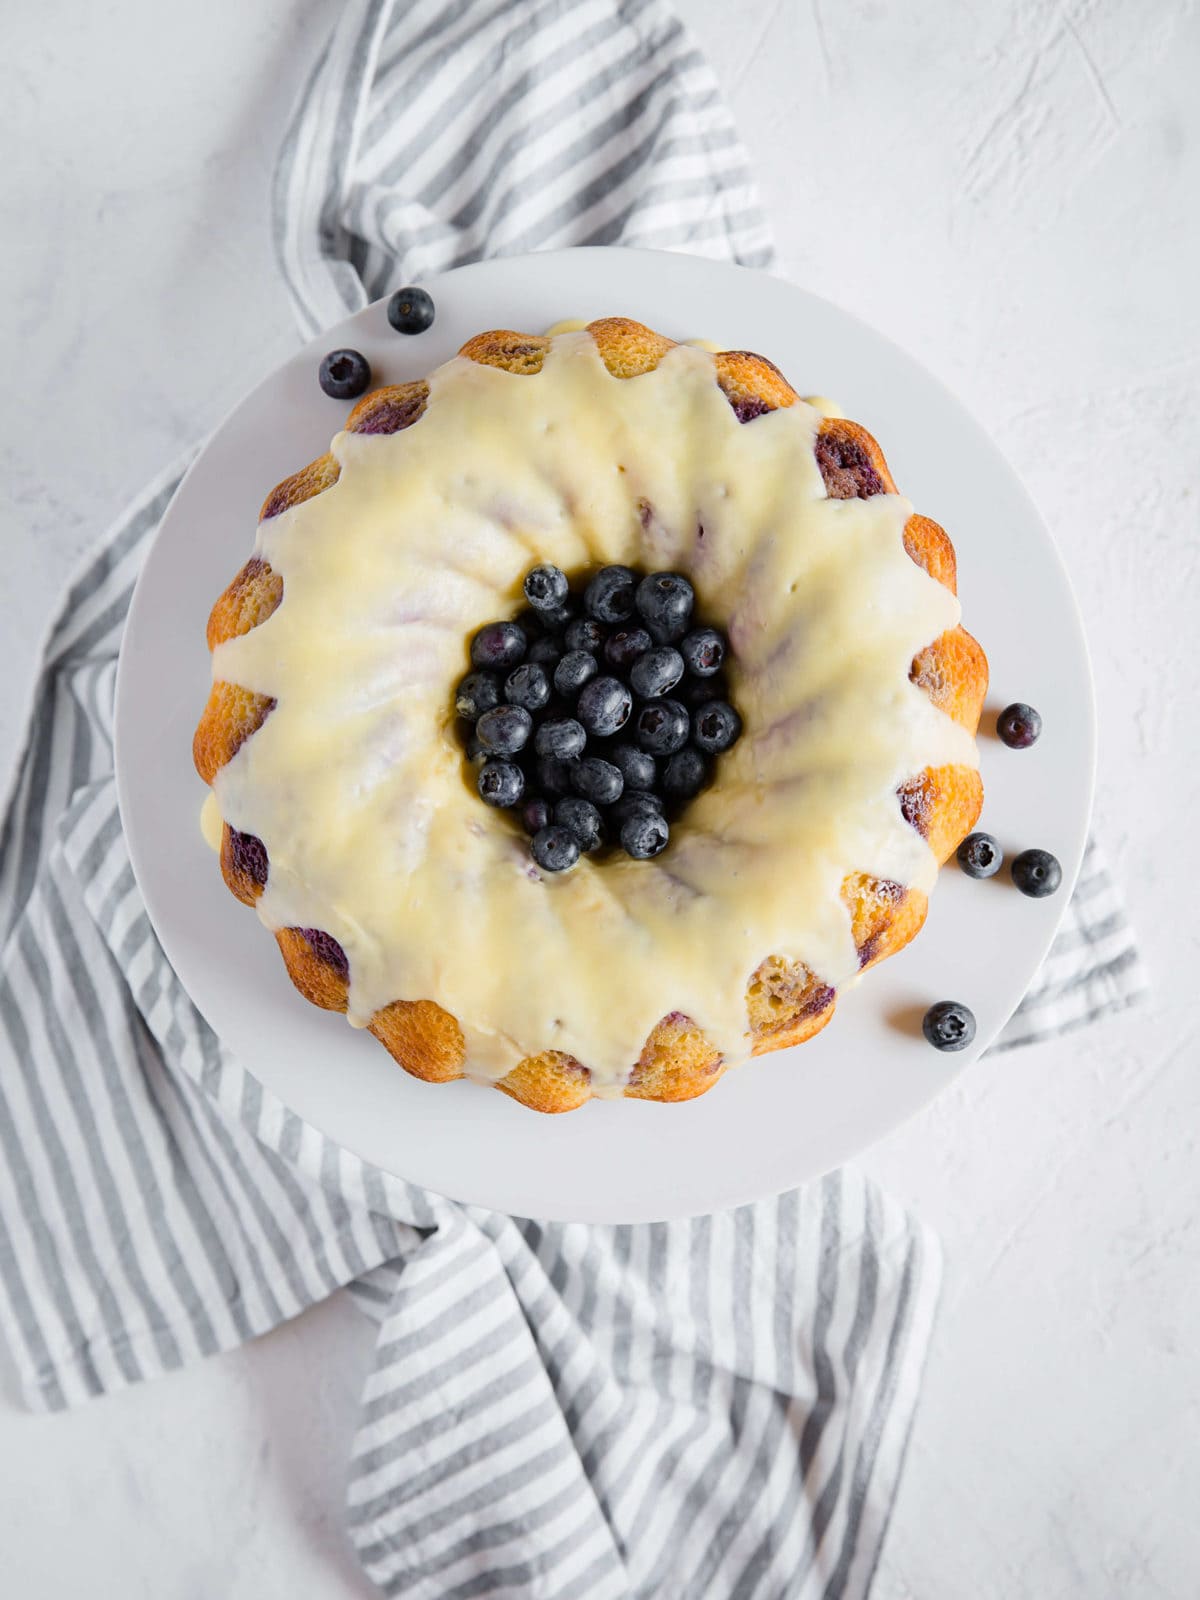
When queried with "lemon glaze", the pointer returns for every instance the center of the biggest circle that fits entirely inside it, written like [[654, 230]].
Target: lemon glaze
[[356, 781], [211, 822]]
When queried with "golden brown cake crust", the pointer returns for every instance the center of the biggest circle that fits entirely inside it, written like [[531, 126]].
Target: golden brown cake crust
[[786, 1003]]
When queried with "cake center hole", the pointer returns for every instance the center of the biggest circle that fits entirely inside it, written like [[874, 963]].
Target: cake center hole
[[597, 713]]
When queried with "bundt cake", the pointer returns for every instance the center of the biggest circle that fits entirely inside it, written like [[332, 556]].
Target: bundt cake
[[350, 815]]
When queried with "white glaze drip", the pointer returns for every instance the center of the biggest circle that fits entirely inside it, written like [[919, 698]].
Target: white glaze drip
[[211, 822]]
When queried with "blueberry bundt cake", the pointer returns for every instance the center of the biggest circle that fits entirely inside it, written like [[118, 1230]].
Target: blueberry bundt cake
[[348, 787]]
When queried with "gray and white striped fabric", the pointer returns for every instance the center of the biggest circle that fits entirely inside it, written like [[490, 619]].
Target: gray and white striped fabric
[[717, 1407]]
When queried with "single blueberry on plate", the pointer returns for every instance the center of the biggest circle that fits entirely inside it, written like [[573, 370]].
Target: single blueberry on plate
[[555, 848], [717, 726], [638, 767], [1019, 725], [411, 310], [575, 670], [344, 374], [703, 651], [499, 646], [644, 835], [1036, 873], [656, 673], [554, 776], [597, 780], [685, 774], [501, 783], [560, 736], [505, 730], [586, 634], [604, 706], [581, 818], [546, 588], [623, 648], [609, 597], [527, 686], [536, 814], [477, 693], [979, 855], [948, 1026], [661, 727], [665, 601]]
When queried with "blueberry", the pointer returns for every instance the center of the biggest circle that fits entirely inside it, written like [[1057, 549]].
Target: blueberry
[[665, 600], [546, 588], [644, 835], [662, 727], [411, 310], [536, 814], [622, 649], [500, 646], [657, 672], [1036, 873], [597, 780], [501, 783], [604, 706], [527, 686], [979, 855], [554, 776], [505, 730], [948, 1026], [530, 623], [581, 818], [703, 651], [685, 774], [562, 737], [555, 848], [633, 803], [609, 597], [1019, 725], [475, 748], [585, 634], [717, 726], [558, 620], [344, 374], [696, 692], [637, 767], [477, 693], [575, 669], [546, 652]]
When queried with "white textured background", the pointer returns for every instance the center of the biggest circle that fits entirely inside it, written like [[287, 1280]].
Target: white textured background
[[1010, 189]]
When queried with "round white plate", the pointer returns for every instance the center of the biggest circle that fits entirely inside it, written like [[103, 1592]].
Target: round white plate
[[787, 1117]]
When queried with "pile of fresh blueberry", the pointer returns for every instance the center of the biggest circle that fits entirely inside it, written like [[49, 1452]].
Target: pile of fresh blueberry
[[597, 714]]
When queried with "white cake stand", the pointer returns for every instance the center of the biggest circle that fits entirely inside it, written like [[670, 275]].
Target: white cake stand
[[787, 1117]]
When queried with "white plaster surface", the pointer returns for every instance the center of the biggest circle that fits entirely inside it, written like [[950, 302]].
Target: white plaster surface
[[1007, 187]]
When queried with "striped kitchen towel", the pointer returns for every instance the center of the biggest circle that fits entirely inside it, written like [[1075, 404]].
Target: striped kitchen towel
[[714, 1407]]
